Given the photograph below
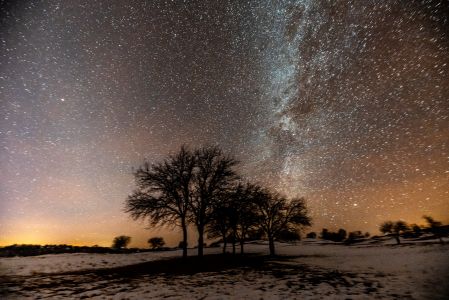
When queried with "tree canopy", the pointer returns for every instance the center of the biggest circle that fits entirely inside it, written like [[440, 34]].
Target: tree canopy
[[121, 241]]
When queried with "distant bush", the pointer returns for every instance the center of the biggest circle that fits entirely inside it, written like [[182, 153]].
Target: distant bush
[[417, 231], [355, 235], [156, 242], [436, 227], [255, 234], [333, 236], [181, 245], [288, 236], [33, 250], [120, 242], [311, 235]]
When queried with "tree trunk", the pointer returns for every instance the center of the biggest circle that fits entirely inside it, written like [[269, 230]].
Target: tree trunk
[[271, 243], [224, 246], [223, 236], [200, 240], [233, 243], [184, 238], [397, 239], [242, 241]]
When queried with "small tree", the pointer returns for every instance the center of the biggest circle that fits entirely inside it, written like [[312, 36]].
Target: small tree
[[333, 236], [434, 227], [156, 242], [121, 242], [276, 213], [311, 235], [399, 228], [341, 234], [394, 228], [386, 227], [324, 234], [416, 229], [354, 236], [289, 236]]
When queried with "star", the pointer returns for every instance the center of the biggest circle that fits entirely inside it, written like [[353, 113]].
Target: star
[[342, 103]]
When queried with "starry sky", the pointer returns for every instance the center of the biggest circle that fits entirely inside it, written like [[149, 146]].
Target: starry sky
[[343, 102]]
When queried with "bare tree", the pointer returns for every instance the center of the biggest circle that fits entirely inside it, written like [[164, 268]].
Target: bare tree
[[121, 242], [213, 176], [243, 199], [276, 214], [234, 215], [164, 192], [223, 217]]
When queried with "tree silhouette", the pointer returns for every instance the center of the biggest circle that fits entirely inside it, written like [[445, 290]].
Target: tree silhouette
[[164, 192], [156, 242], [235, 215], [200, 187], [288, 235], [311, 235], [182, 244], [416, 230], [324, 234], [341, 234], [121, 242], [243, 199], [223, 217], [213, 177], [386, 227], [434, 227], [333, 236], [394, 228], [354, 236], [276, 213]]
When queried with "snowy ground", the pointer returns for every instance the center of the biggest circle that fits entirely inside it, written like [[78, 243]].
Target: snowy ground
[[307, 270]]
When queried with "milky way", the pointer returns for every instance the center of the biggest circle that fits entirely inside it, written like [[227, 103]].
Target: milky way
[[343, 102]]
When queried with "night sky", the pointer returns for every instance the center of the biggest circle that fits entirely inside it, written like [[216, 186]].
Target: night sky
[[343, 102]]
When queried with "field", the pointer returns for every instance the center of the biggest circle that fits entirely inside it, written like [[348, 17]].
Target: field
[[307, 270]]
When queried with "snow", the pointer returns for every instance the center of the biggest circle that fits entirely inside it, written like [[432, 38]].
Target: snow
[[414, 270], [58, 263], [306, 270]]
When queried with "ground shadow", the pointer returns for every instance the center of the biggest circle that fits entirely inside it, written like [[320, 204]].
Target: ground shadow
[[281, 269]]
